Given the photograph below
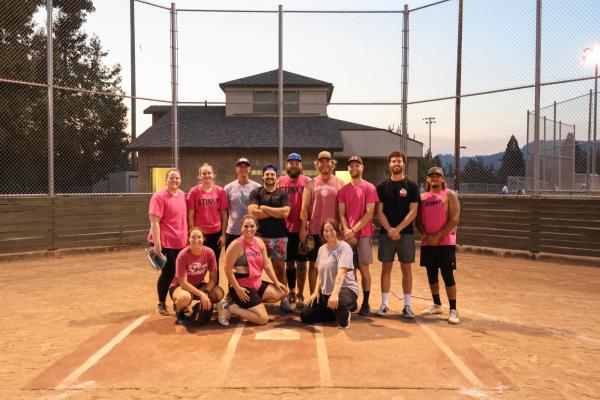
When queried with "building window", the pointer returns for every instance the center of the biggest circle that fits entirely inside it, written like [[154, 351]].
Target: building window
[[265, 102]]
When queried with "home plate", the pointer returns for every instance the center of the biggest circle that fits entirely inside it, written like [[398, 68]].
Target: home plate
[[278, 334]]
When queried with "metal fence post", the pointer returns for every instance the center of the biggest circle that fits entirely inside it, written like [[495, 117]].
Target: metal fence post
[[174, 88], [536, 123], [132, 72], [560, 155], [589, 147], [544, 158], [527, 153], [403, 138], [280, 90], [50, 82], [457, 101]]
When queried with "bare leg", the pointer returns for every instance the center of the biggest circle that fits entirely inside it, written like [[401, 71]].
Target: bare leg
[[256, 315], [386, 277], [406, 278], [365, 277], [300, 276], [312, 276]]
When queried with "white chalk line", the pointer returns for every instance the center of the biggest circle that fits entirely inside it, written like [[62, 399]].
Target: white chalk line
[[458, 363], [94, 358], [230, 351], [322, 357]]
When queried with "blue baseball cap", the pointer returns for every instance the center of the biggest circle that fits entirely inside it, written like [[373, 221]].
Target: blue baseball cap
[[294, 157]]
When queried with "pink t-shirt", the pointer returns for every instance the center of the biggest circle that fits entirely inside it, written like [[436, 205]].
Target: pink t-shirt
[[172, 212], [194, 267], [207, 207], [294, 189], [434, 217], [356, 198], [323, 202]]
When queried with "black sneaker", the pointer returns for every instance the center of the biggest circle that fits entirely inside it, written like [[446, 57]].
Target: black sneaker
[[353, 307], [364, 309], [292, 297], [181, 318], [346, 323]]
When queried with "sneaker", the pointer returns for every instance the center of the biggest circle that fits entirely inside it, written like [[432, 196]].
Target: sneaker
[[407, 312], [383, 310], [223, 313], [453, 317], [181, 318], [434, 309], [353, 307], [286, 307], [364, 309], [292, 297], [346, 323], [300, 300], [161, 309]]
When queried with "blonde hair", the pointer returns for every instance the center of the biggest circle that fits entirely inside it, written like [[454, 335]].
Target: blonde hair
[[171, 170], [333, 163]]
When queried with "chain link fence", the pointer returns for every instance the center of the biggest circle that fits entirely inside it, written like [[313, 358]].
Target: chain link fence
[[105, 101]]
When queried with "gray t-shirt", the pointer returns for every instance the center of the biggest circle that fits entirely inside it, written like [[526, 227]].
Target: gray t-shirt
[[238, 204], [329, 261]]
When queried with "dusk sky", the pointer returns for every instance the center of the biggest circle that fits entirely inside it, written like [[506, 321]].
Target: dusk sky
[[361, 55]]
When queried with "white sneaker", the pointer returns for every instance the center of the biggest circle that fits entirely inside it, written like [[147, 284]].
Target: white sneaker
[[383, 310], [223, 313], [434, 309], [453, 317]]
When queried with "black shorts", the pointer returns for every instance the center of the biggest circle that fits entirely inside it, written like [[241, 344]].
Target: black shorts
[[312, 255], [255, 295], [201, 286], [292, 248], [438, 256]]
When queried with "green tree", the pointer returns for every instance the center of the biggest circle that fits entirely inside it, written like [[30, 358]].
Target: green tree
[[477, 171], [513, 163], [89, 130]]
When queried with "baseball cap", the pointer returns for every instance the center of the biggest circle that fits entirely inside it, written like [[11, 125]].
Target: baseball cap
[[270, 166], [435, 170], [355, 158], [242, 160], [324, 154], [294, 157]]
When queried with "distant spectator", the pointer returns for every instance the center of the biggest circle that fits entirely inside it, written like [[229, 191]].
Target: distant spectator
[[583, 188], [504, 189]]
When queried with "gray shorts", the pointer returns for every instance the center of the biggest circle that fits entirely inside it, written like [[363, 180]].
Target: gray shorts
[[405, 248], [363, 253]]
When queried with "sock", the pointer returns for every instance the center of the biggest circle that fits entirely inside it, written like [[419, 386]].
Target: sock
[[384, 298], [291, 277], [366, 296], [437, 300], [452, 304], [407, 298]]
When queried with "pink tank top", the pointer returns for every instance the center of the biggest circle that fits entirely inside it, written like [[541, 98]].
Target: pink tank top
[[323, 202], [434, 217], [255, 264]]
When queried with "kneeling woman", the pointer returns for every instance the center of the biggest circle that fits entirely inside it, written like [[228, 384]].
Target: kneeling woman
[[193, 262], [336, 290], [245, 259]]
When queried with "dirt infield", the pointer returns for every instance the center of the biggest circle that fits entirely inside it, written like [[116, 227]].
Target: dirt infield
[[83, 327]]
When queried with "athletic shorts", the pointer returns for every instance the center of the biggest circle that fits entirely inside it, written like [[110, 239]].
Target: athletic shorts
[[312, 255], [255, 295], [438, 256], [292, 248], [363, 253], [201, 286], [276, 247], [403, 247]]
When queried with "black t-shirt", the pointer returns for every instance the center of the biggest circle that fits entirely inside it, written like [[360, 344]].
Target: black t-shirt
[[396, 197], [270, 227]]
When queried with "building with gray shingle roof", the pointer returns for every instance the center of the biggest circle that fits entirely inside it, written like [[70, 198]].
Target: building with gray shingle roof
[[248, 126]]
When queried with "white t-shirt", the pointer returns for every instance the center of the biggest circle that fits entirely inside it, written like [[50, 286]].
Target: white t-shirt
[[329, 261], [238, 204]]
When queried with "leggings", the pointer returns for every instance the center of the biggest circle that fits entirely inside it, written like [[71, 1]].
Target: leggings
[[319, 312], [212, 240], [166, 274], [447, 275]]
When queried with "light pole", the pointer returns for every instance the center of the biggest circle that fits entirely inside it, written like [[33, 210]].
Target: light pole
[[429, 121], [591, 56]]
